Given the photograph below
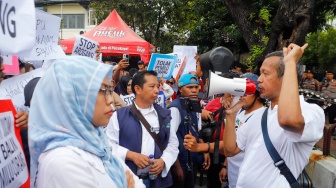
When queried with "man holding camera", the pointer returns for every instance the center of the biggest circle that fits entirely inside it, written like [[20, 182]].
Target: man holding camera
[[184, 174]]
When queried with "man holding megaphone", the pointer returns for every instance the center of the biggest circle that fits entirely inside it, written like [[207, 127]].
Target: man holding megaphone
[[293, 126]]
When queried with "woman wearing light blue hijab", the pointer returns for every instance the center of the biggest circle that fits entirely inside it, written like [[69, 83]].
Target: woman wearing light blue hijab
[[67, 147]]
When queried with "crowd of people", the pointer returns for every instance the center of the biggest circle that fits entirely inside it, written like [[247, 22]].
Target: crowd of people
[[81, 133]]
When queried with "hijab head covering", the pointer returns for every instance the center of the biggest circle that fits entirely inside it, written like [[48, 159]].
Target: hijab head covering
[[62, 111], [123, 81]]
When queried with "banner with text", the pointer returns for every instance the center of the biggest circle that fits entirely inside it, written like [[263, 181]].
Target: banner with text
[[13, 166], [163, 64], [13, 88], [11, 64], [189, 52], [128, 99], [17, 31], [46, 42], [85, 47]]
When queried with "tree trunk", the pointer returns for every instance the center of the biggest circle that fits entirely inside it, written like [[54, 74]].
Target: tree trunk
[[241, 10], [289, 25]]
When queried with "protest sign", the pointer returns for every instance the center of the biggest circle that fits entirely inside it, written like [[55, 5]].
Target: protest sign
[[85, 47], [13, 165], [163, 64], [46, 42], [17, 31], [11, 64], [128, 99], [161, 99], [189, 52], [13, 88], [179, 66]]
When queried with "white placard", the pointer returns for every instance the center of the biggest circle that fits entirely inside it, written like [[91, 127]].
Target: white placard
[[13, 166], [85, 47], [46, 41], [189, 52], [17, 26], [128, 99], [13, 88]]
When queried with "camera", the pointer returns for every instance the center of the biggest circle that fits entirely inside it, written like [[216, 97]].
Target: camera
[[126, 56], [190, 105], [208, 128]]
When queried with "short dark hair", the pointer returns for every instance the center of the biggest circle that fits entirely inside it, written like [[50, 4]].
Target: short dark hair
[[133, 71], [281, 65], [139, 78]]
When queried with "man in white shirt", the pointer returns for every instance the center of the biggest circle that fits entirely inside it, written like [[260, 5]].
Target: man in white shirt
[[133, 143], [294, 126]]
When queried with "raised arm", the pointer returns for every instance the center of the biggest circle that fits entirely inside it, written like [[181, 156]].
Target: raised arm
[[289, 113]]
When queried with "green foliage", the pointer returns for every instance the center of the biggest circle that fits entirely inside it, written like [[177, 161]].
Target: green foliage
[[321, 51], [256, 51]]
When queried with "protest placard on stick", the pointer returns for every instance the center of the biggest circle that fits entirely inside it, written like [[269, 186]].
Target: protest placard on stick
[[17, 28], [163, 64], [189, 52], [13, 165], [13, 88], [85, 47], [46, 41]]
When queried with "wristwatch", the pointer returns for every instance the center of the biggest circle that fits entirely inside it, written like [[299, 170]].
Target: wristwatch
[[224, 166]]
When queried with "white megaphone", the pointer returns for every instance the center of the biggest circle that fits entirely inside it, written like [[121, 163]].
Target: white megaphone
[[235, 86]]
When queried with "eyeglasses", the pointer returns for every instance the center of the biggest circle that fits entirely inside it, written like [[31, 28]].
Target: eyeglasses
[[129, 85], [107, 92]]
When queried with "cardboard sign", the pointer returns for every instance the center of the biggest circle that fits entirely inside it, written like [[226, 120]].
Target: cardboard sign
[[13, 88], [189, 52], [11, 64], [85, 47], [13, 165], [17, 26], [128, 99], [163, 64], [46, 41]]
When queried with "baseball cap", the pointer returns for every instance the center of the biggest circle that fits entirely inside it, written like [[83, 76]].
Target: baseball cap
[[140, 62], [187, 79], [253, 78]]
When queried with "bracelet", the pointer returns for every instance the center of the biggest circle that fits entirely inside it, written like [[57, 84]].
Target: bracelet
[[208, 148], [224, 166]]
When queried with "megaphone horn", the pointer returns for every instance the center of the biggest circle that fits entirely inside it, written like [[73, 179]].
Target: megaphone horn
[[235, 86]]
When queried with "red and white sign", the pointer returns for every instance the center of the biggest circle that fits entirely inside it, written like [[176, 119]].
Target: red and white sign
[[13, 165]]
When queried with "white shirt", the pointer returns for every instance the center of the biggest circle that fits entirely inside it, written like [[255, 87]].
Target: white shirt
[[235, 161], [257, 169], [176, 119], [73, 167], [147, 146]]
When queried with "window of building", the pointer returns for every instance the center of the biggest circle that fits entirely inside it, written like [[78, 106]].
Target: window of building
[[72, 21], [92, 17]]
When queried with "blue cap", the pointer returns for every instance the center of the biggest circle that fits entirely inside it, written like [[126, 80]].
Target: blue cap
[[187, 79], [140, 62], [253, 78]]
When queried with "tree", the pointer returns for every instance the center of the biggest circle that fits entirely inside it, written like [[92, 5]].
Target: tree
[[322, 50], [278, 23]]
